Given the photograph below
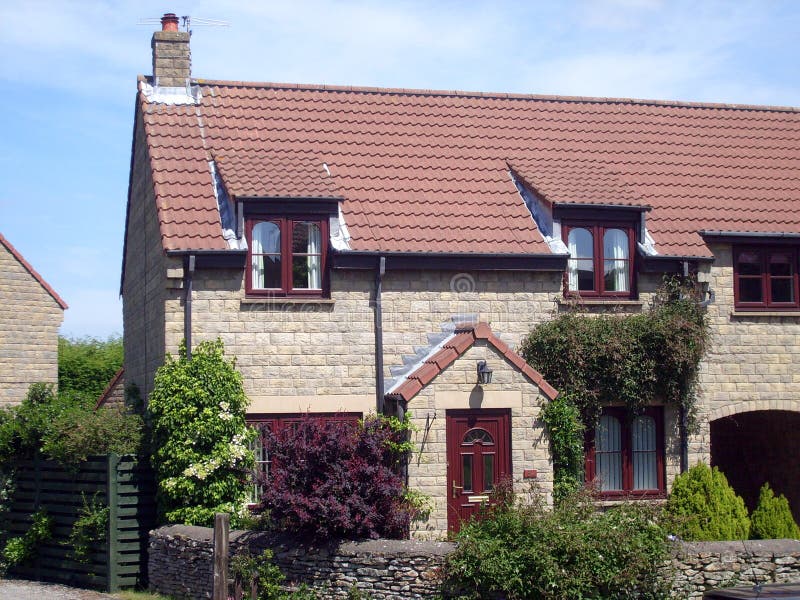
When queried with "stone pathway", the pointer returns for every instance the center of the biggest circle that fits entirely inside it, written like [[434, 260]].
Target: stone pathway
[[20, 589]]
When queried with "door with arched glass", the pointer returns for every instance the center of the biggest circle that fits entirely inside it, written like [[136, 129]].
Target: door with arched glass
[[478, 457]]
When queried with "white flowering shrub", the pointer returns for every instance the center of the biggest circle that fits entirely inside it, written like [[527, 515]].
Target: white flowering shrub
[[200, 443]]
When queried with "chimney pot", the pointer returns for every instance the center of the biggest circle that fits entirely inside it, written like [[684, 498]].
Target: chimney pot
[[169, 22]]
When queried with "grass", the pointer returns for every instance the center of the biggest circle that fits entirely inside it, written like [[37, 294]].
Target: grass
[[134, 595]]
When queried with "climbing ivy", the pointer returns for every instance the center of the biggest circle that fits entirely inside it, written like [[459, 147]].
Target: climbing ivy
[[597, 360]]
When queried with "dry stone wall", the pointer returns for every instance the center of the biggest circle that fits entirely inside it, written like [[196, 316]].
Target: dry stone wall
[[180, 564]]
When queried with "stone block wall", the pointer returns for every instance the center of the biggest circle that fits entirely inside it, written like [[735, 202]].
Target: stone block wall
[[180, 564], [29, 322], [145, 280], [455, 388]]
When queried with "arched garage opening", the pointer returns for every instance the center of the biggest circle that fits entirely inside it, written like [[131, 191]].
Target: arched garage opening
[[758, 446]]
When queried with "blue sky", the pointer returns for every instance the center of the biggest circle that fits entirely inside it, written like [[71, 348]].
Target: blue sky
[[68, 78]]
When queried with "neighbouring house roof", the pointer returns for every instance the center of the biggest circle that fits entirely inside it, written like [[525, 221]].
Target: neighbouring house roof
[[421, 170], [444, 354], [115, 390], [33, 272]]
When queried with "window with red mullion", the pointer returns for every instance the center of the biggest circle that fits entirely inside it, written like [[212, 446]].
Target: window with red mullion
[[283, 263], [766, 277], [629, 467], [602, 283]]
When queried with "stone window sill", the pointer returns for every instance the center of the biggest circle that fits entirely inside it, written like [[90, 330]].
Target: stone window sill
[[274, 301], [765, 313], [597, 302]]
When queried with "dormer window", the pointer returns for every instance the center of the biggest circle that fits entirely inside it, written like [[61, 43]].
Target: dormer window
[[601, 259], [286, 256]]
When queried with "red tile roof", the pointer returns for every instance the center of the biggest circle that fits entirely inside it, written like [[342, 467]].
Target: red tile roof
[[33, 272], [429, 171], [463, 338], [112, 390]]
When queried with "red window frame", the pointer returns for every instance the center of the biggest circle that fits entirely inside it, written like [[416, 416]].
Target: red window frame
[[627, 491], [765, 253], [286, 227], [598, 230]]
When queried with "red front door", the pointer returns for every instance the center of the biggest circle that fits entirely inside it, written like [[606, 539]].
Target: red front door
[[478, 457]]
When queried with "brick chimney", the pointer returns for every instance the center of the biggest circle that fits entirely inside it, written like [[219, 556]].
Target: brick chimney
[[172, 59]]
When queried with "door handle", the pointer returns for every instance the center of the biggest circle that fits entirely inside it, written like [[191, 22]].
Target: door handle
[[456, 487]]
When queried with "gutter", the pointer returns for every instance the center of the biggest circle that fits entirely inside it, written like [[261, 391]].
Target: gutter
[[462, 261], [188, 265]]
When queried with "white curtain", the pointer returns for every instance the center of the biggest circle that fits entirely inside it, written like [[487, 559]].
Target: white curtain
[[645, 470], [314, 257], [615, 243], [572, 264], [266, 239], [608, 453]]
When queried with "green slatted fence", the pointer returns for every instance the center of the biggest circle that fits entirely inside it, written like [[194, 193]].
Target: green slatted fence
[[124, 483]]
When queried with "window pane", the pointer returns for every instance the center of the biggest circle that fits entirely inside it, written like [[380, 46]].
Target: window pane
[[608, 453], [615, 275], [749, 263], [782, 290], [265, 248], [466, 464], [615, 255], [750, 289], [488, 472], [581, 243], [307, 256], [780, 265], [478, 435], [645, 468]]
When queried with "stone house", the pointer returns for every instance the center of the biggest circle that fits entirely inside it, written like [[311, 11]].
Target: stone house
[[362, 249], [30, 314]]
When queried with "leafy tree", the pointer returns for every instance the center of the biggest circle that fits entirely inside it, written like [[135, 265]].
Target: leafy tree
[[772, 518], [200, 442], [86, 365], [704, 507], [333, 478]]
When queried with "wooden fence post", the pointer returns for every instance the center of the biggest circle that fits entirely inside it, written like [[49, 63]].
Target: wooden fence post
[[112, 533], [222, 525]]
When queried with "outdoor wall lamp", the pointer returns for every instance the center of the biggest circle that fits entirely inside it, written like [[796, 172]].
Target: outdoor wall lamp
[[484, 373]]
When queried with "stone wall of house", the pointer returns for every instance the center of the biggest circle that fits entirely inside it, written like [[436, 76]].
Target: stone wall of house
[[751, 365], [180, 564], [29, 322], [144, 285], [455, 388]]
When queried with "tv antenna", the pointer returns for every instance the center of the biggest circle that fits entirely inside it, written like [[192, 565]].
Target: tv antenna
[[187, 22]]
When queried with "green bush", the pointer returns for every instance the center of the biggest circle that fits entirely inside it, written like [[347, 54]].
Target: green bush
[[86, 365], [246, 569], [65, 428], [527, 551], [562, 420], [22, 549], [200, 442], [703, 507], [772, 518], [78, 432]]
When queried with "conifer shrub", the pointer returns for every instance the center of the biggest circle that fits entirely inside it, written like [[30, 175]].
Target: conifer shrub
[[704, 507], [772, 518], [200, 442], [339, 479]]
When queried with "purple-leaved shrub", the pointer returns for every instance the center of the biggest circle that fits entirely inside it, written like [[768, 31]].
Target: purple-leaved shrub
[[336, 479]]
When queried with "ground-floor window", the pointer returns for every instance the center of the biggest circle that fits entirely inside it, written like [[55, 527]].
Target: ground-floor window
[[625, 454], [265, 423]]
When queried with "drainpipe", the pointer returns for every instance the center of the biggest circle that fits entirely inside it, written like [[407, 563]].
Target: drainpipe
[[380, 272], [683, 427], [187, 304]]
